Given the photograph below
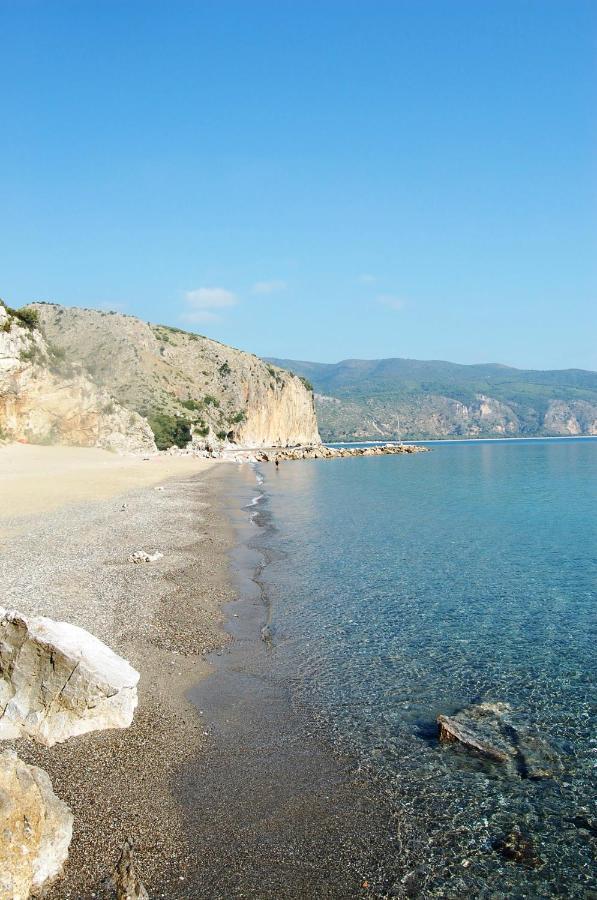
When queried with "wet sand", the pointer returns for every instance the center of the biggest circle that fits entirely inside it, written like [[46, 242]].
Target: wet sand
[[276, 810]]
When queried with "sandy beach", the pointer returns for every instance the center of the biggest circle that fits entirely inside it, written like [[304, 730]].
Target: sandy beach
[[69, 520], [36, 479]]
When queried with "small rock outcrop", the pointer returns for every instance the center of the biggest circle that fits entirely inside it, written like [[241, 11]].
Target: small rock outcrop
[[127, 884], [57, 681], [35, 829]]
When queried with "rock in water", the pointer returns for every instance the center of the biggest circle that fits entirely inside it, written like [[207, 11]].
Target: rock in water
[[478, 728], [126, 881], [267, 634], [57, 680], [35, 829], [519, 848]]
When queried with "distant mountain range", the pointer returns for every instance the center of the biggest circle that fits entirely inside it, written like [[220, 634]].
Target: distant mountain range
[[407, 398]]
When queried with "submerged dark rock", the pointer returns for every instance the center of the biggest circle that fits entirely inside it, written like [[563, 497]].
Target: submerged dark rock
[[477, 728], [487, 729], [519, 848]]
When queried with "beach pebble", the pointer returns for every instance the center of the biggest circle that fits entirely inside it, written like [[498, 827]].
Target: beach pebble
[[140, 556]]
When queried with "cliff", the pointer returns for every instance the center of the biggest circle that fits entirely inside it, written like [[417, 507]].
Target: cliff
[[184, 383], [44, 399], [406, 398]]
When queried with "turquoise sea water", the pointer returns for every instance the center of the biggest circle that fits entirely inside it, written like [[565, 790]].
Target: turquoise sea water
[[404, 587]]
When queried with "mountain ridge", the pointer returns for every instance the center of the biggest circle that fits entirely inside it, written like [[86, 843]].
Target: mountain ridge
[[406, 398]]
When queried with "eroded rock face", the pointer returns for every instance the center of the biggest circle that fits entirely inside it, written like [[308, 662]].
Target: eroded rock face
[[44, 400], [35, 829], [57, 681], [570, 417]]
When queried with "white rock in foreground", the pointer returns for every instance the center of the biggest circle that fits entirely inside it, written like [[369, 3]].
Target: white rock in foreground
[[57, 680], [35, 829]]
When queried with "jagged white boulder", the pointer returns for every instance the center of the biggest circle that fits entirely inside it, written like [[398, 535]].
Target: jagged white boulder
[[35, 829], [57, 681]]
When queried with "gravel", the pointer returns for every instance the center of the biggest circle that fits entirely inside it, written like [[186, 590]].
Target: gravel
[[163, 617]]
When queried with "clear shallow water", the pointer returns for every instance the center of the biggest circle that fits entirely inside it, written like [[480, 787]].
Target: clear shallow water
[[404, 587]]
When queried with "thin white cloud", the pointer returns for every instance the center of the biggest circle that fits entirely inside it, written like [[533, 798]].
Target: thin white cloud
[[268, 287], [391, 301], [201, 303], [365, 278]]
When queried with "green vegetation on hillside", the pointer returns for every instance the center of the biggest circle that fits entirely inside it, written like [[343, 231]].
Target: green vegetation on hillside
[[168, 430], [407, 398], [25, 316]]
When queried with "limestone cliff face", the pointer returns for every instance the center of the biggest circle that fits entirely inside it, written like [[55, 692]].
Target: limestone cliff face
[[431, 416], [572, 417], [162, 371], [279, 412], [45, 400]]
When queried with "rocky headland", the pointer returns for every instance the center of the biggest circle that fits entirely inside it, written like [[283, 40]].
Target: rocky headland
[[186, 385]]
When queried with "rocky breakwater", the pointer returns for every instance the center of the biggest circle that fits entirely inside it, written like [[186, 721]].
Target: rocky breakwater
[[44, 399], [317, 451], [56, 681]]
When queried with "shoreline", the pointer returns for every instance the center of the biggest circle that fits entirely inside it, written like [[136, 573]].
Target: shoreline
[[278, 809], [414, 442], [223, 786]]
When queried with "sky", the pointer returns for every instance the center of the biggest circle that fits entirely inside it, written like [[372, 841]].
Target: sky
[[309, 179]]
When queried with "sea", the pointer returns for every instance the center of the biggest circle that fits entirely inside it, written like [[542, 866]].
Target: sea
[[400, 588]]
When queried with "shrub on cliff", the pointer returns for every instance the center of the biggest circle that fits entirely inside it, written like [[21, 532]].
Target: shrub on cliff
[[169, 430], [27, 317]]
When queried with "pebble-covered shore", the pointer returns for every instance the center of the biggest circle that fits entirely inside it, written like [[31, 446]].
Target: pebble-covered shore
[[72, 564]]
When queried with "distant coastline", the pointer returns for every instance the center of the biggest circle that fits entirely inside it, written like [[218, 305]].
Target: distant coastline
[[464, 440]]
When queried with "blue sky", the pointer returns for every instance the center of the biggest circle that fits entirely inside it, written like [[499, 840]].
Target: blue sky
[[316, 179]]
